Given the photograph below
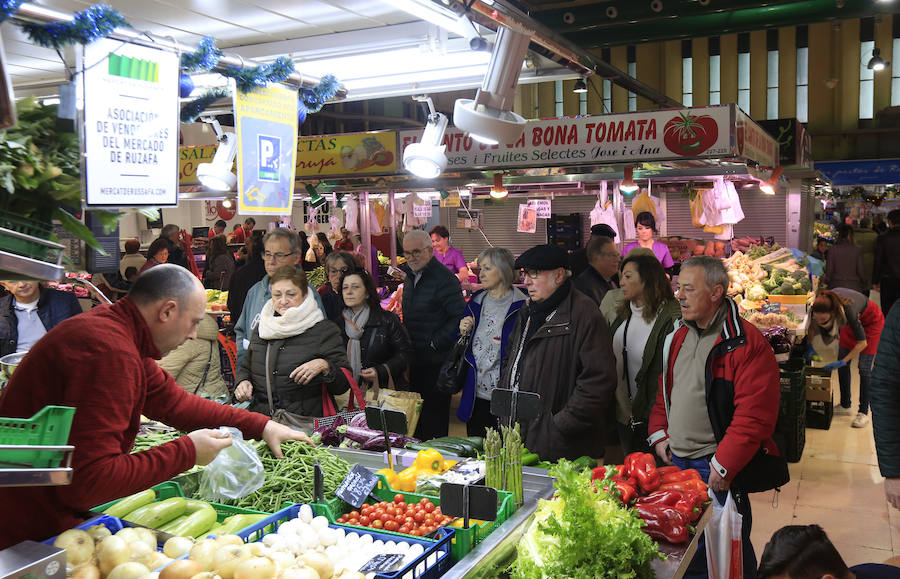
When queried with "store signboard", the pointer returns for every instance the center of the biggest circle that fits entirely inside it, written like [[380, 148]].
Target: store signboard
[[846, 173], [188, 160], [422, 210], [130, 125], [347, 154], [542, 206], [752, 142], [618, 138], [266, 127]]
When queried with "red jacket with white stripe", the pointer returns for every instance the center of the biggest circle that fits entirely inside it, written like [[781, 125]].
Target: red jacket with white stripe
[[743, 390]]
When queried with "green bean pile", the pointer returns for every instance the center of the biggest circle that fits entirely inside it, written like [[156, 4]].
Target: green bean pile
[[290, 479], [154, 439]]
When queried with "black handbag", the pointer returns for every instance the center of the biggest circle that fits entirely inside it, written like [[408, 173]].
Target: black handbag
[[452, 375], [764, 472]]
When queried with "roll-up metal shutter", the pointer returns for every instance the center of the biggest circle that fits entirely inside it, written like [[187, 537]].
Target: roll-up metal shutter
[[763, 215]]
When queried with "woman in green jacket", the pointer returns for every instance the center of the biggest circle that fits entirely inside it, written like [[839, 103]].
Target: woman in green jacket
[[646, 315]]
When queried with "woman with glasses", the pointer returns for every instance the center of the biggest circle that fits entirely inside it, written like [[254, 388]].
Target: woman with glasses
[[295, 353], [642, 321], [377, 344], [337, 263], [645, 227], [490, 317]]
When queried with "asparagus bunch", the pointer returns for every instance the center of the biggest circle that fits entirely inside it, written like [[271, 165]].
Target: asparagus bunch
[[512, 462], [493, 459]]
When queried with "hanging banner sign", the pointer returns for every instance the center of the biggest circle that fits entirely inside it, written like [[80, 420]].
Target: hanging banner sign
[[527, 219], [130, 125], [542, 206], [708, 132], [422, 210], [189, 158], [451, 200], [266, 127], [846, 173], [347, 154]]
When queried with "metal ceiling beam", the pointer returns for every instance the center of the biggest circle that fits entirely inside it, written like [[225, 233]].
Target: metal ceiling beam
[[605, 33], [549, 44], [33, 13]]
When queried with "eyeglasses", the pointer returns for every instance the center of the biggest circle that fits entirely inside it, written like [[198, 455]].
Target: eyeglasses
[[532, 273], [342, 270], [417, 252], [276, 256]]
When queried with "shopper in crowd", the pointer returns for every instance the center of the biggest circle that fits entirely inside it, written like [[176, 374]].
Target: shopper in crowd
[[857, 322], [645, 317], [132, 257], [323, 248], [821, 250], [171, 233], [131, 274], [886, 269], [337, 263], [719, 393], [29, 311], [490, 317], [219, 264], [344, 243], [645, 227], [195, 365], [879, 225], [217, 229], [157, 253], [804, 551], [866, 238], [432, 306], [844, 266], [614, 300], [560, 348], [246, 276], [293, 353], [578, 260], [304, 252], [603, 269], [884, 394], [103, 363], [281, 247], [451, 257], [241, 234], [376, 342]]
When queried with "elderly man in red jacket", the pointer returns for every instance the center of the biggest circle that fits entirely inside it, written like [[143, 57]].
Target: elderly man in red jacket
[[718, 399], [103, 363]]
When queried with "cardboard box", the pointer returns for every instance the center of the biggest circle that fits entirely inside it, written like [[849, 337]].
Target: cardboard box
[[32, 560], [820, 384]]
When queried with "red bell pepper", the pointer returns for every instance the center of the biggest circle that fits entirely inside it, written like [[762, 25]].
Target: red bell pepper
[[598, 473], [670, 515], [627, 493], [688, 506], [664, 470], [644, 469], [679, 476], [667, 498], [690, 486], [661, 532]]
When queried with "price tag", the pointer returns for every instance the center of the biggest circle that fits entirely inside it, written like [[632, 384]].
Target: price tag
[[357, 485], [771, 308], [422, 210], [382, 563]]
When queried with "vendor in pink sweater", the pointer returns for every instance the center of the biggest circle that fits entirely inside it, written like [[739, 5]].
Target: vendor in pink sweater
[[103, 363]]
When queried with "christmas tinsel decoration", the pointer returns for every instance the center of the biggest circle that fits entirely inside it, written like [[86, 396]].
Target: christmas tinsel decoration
[[315, 99], [190, 111], [248, 79], [8, 8], [87, 26], [204, 59]]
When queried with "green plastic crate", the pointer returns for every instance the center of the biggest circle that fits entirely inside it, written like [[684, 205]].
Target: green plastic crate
[[464, 540], [27, 226], [49, 427]]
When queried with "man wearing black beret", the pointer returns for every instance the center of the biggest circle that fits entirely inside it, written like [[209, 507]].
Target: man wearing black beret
[[578, 261], [560, 348]]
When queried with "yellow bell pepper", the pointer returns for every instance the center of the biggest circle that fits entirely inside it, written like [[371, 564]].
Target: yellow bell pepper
[[389, 475], [448, 464], [406, 480], [429, 460]]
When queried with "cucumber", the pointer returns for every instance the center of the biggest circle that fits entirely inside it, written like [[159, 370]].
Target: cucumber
[[196, 524], [160, 513], [530, 459], [130, 503]]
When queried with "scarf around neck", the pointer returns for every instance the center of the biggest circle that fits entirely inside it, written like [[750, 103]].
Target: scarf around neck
[[292, 323], [354, 326]]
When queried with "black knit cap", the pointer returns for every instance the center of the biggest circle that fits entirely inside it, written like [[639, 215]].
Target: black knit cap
[[604, 230], [543, 257]]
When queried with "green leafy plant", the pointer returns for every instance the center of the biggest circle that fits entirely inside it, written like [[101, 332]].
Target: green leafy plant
[[40, 171]]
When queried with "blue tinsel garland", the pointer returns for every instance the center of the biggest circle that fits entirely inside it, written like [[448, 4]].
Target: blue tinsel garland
[[87, 26], [248, 79], [204, 59], [316, 98], [8, 8], [190, 111]]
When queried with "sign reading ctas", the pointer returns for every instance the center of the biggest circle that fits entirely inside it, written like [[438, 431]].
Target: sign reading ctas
[[347, 154]]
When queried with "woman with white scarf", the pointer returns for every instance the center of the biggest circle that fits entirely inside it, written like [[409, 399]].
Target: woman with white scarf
[[296, 348], [378, 346]]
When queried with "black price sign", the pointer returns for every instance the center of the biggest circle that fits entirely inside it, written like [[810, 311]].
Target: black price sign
[[357, 485], [382, 563]]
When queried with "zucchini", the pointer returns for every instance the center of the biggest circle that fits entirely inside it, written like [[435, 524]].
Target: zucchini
[[158, 514], [130, 503], [165, 528], [196, 524], [194, 505], [477, 442], [236, 523]]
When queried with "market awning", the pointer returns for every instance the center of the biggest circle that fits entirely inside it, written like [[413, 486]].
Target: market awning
[[874, 172]]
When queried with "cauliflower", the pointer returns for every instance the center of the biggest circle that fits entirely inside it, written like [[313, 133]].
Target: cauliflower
[[755, 292]]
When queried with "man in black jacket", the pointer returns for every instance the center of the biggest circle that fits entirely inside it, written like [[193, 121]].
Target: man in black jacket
[[884, 395], [603, 265], [29, 311], [432, 307], [886, 269]]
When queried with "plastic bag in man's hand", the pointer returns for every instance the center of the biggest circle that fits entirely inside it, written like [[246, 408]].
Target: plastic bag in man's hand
[[236, 471]]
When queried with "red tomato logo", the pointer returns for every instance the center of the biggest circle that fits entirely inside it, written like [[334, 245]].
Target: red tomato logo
[[690, 135]]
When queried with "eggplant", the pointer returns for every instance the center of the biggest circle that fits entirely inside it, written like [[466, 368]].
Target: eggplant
[[359, 420], [329, 433]]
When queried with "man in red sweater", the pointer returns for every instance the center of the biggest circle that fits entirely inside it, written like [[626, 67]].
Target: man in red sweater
[[104, 364]]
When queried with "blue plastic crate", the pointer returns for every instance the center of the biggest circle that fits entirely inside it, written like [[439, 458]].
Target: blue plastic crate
[[433, 563]]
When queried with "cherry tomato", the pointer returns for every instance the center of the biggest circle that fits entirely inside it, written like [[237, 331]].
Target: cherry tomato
[[341, 519], [354, 514], [366, 505], [398, 498], [377, 524], [423, 500], [429, 507], [404, 529], [429, 519], [391, 511], [364, 521], [419, 517], [437, 510], [391, 526], [409, 520], [385, 518], [401, 505]]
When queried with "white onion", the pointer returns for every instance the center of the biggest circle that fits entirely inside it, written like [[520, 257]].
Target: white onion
[[305, 514], [178, 547], [319, 522], [78, 545]]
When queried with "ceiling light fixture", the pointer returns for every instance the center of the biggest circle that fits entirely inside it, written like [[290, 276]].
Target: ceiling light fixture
[[227, 203], [427, 158], [580, 86], [498, 191], [488, 118], [769, 185], [217, 175], [877, 63], [628, 185]]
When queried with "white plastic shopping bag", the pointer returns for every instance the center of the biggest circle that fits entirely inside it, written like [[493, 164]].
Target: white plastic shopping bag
[[723, 540]]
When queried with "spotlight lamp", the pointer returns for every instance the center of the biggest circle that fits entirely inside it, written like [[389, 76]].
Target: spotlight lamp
[[488, 118], [769, 185], [217, 175], [628, 185], [877, 63], [427, 158], [580, 86], [498, 191]]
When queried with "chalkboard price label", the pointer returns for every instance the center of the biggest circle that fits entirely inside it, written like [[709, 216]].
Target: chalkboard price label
[[384, 563], [357, 485]]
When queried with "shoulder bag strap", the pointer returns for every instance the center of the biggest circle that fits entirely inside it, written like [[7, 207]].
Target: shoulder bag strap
[[355, 392], [205, 371], [269, 382]]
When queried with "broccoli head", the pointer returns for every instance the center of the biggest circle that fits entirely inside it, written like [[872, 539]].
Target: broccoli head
[[779, 274], [770, 284], [787, 288], [806, 284], [798, 275]]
